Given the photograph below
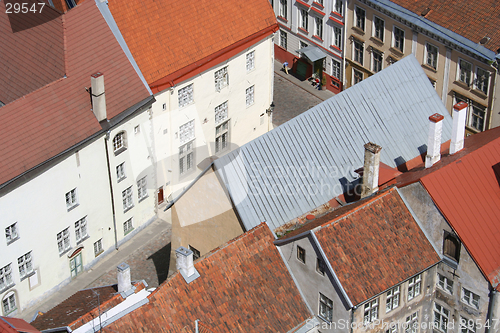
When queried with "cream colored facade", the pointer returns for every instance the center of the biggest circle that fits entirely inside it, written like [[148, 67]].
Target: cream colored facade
[[371, 47]]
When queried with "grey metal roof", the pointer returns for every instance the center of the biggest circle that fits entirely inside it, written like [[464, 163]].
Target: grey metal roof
[[305, 162], [312, 53]]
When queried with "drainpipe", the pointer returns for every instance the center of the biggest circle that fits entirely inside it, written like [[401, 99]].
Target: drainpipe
[[492, 309], [344, 4], [106, 139], [352, 318], [492, 95]]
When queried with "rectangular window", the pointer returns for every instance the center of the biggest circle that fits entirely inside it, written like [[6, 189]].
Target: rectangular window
[[71, 199], [325, 307], [445, 283], [399, 39], [222, 137], [464, 71], [221, 79], [377, 60], [320, 266], [250, 61], [318, 24], [482, 80], [186, 157], [186, 131], [379, 28], [392, 299], [301, 254], [81, 229], [371, 311], [128, 201], [63, 243], [357, 76], [221, 113], [283, 9], [431, 55], [283, 39], [469, 298], [339, 7], [467, 325], [250, 96], [411, 323], [337, 37], [358, 51], [359, 18], [5, 277], [336, 69], [25, 264], [476, 114], [441, 316], [414, 286], [9, 304], [142, 192], [304, 18], [185, 95], [120, 172], [11, 233], [127, 226], [98, 247], [476, 119], [119, 143], [196, 253]]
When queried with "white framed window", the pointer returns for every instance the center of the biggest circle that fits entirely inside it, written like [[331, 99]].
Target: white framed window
[[9, 303], [304, 18], [358, 50], [336, 72], [250, 61], [250, 96], [370, 311], [71, 199], [142, 192], [128, 201], [325, 308], [441, 316], [6, 277], [186, 157], [377, 60], [221, 113], [392, 299], [120, 172], [11, 233], [186, 131], [98, 248], [337, 37], [320, 266], [476, 115], [378, 28], [359, 18], [63, 243], [127, 226], [221, 78], [301, 254], [81, 229], [186, 95], [318, 27], [222, 137], [283, 39], [482, 80], [431, 55], [283, 9], [357, 76], [25, 264], [398, 40], [469, 298], [464, 71], [414, 286], [411, 323], [467, 325], [445, 283], [339, 6], [119, 142]]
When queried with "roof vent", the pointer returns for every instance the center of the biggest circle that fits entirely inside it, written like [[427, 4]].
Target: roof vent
[[434, 140], [425, 11], [484, 40], [185, 264]]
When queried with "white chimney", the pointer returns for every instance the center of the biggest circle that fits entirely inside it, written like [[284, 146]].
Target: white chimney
[[184, 263], [458, 130], [123, 276], [434, 141], [98, 96], [371, 169]]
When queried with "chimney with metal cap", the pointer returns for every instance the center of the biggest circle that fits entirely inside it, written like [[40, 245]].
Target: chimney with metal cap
[[458, 130], [371, 169], [184, 264], [124, 282], [434, 141], [98, 96]]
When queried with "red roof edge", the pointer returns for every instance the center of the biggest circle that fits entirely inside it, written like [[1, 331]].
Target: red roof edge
[[211, 60]]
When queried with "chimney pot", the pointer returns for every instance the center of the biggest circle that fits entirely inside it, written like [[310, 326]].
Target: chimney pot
[[458, 129], [123, 276], [434, 140], [371, 169], [184, 261], [98, 96]]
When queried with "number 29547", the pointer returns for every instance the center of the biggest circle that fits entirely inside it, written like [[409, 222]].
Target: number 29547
[[23, 7]]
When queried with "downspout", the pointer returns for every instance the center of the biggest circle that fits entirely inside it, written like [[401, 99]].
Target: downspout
[[352, 318], [344, 4], [492, 309], [492, 95], [106, 139]]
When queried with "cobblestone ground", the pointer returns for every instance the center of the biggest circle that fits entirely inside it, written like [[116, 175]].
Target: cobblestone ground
[[290, 100], [150, 263]]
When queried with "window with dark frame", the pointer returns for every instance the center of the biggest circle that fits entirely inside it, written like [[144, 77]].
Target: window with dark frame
[[358, 76], [358, 51], [360, 18], [304, 15], [377, 60], [337, 37], [399, 39], [379, 25], [339, 7], [320, 266], [464, 71], [283, 39], [431, 55], [196, 253], [301, 254], [325, 307], [451, 247], [319, 27]]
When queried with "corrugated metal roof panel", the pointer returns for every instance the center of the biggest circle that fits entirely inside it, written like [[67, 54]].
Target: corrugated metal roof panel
[[307, 161]]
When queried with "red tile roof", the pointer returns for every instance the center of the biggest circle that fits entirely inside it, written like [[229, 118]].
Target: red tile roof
[[52, 119], [15, 325], [467, 192], [244, 286], [32, 50], [375, 246], [179, 33], [473, 19]]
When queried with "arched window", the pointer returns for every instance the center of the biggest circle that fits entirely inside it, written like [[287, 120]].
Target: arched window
[[451, 247], [120, 142], [9, 303]]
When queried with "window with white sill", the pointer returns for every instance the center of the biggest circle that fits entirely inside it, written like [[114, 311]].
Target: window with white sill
[[283, 9], [222, 137], [186, 157], [318, 27], [414, 286], [398, 39], [325, 307], [336, 66], [25, 264], [482, 80], [127, 226], [441, 318], [250, 61], [445, 283], [378, 28], [98, 248], [359, 18], [469, 298], [431, 55], [119, 142], [377, 60], [120, 172], [357, 76], [337, 37], [81, 229], [221, 78], [9, 303], [358, 50], [250, 96], [186, 131], [142, 192], [476, 115], [468, 325], [128, 201], [370, 312], [63, 241], [304, 18], [392, 299], [71, 199], [464, 71], [411, 323], [339, 7], [221, 113], [11, 233], [283, 39], [186, 95], [6, 277]]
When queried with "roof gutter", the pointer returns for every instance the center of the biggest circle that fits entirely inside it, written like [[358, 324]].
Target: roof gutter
[[58, 329]]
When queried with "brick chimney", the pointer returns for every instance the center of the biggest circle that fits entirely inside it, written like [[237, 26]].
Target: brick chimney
[[458, 130], [184, 264], [98, 96], [434, 140], [371, 169], [123, 276]]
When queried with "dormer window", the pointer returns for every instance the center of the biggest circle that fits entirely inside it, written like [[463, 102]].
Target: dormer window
[[119, 142]]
